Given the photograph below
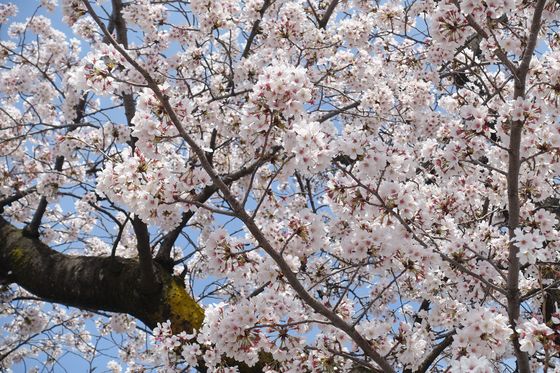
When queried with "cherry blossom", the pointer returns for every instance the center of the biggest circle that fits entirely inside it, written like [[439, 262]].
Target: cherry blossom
[[281, 186]]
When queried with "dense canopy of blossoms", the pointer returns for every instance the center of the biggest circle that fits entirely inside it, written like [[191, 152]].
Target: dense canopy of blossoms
[[341, 184]]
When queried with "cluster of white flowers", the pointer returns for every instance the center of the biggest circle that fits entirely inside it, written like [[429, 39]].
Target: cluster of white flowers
[[100, 71], [530, 244], [533, 335], [282, 87], [215, 14], [224, 254], [491, 9], [121, 323], [416, 345], [485, 332], [72, 10], [49, 183], [7, 11], [145, 14], [167, 346], [364, 241], [450, 27], [114, 367], [151, 188], [232, 330], [310, 142], [292, 23], [150, 130], [475, 117], [380, 100], [520, 108], [471, 364], [378, 332], [30, 321]]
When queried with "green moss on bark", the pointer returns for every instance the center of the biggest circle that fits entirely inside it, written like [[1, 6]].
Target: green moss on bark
[[182, 306]]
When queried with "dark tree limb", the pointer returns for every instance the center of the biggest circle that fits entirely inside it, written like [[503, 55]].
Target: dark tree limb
[[100, 283], [328, 14], [514, 163], [144, 255], [111, 284], [255, 30], [15, 197], [140, 228]]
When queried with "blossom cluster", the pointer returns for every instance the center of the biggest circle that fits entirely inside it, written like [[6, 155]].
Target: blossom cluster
[[283, 88]]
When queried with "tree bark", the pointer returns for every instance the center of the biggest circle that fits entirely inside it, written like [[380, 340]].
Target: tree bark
[[101, 283]]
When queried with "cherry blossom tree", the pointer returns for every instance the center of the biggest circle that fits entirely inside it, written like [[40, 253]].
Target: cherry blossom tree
[[281, 186]]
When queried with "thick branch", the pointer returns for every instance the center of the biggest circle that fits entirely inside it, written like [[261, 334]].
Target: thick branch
[[101, 283], [328, 14], [140, 228], [144, 255], [532, 42], [122, 38]]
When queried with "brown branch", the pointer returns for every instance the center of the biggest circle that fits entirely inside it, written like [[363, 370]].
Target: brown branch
[[256, 29], [328, 14], [15, 197], [434, 354], [122, 38], [514, 163], [101, 283], [145, 255], [533, 37], [140, 228]]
